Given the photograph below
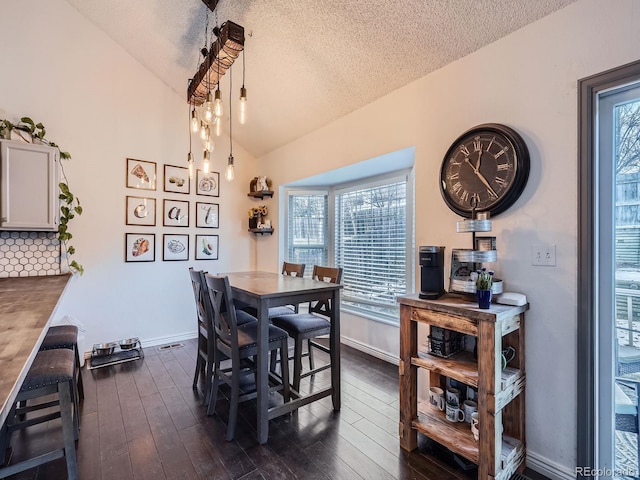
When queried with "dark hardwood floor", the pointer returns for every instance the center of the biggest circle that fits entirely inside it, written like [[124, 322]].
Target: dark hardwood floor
[[142, 420]]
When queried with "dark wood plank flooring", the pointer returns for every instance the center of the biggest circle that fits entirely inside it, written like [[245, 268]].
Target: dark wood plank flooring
[[142, 420]]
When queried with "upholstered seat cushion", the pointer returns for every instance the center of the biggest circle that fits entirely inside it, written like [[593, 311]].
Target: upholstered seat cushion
[[60, 336], [248, 334], [244, 317], [302, 323], [50, 367], [273, 311]]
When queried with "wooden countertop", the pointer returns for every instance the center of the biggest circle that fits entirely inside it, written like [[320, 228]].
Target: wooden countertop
[[27, 305]]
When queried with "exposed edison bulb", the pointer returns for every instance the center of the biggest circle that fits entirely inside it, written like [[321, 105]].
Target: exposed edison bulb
[[208, 108], [203, 131], [195, 124], [229, 173], [217, 104], [243, 106], [190, 163], [218, 126], [205, 163], [209, 145]]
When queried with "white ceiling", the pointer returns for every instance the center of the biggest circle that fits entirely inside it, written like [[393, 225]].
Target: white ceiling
[[309, 62]]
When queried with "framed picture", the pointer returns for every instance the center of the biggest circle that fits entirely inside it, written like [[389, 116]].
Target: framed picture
[[207, 215], [176, 179], [139, 247], [208, 183], [141, 174], [206, 247], [175, 247], [141, 211], [175, 213]]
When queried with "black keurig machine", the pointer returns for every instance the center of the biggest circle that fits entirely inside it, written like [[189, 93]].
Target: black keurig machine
[[431, 261]]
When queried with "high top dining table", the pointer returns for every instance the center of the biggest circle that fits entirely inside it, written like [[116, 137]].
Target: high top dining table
[[27, 306], [263, 290]]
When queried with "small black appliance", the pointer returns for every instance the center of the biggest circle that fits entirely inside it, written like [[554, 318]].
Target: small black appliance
[[431, 261]]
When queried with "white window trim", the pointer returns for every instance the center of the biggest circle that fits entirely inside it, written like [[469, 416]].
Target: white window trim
[[406, 175]]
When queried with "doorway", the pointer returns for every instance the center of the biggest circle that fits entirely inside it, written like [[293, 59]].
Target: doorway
[[609, 275]]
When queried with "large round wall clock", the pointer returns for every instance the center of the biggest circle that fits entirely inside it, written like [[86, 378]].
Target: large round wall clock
[[484, 170]]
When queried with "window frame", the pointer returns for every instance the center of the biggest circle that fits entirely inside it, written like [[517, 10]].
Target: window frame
[[404, 175]]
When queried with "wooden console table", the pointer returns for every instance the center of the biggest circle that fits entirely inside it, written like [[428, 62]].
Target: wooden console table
[[501, 448]]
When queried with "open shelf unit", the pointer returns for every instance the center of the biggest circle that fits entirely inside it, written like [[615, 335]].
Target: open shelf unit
[[261, 194], [501, 448]]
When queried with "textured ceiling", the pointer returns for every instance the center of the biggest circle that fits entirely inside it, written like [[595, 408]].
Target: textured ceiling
[[309, 62]]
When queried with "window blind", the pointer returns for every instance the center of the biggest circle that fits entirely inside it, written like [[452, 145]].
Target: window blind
[[371, 246], [308, 240]]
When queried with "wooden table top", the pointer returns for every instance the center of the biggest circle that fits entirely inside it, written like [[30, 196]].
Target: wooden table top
[[270, 284], [26, 308]]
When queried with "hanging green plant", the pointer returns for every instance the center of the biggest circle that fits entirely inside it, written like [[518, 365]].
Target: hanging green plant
[[70, 204]]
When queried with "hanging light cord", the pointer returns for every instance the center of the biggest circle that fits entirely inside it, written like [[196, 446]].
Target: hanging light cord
[[230, 110], [243, 67]]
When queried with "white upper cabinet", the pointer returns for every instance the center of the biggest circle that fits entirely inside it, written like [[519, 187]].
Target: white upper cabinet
[[29, 176]]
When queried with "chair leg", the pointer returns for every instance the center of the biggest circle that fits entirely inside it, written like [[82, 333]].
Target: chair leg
[[68, 432], [213, 396], [197, 372], [297, 364], [310, 350], [234, 400], [79, 384], [209, 368], [284, 369]]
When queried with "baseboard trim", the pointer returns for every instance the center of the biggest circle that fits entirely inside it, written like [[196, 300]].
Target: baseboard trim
[[374, 352], [155, 342], [549, 468]]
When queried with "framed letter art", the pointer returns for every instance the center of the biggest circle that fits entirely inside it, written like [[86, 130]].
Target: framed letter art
[[141, 211], [175, 213], [141, 174], [207, 215]]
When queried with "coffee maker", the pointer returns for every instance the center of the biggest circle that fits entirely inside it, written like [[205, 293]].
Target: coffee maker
[[431, 260]]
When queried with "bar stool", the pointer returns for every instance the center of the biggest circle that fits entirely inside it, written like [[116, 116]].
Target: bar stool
[[52, 373], [65, 336]]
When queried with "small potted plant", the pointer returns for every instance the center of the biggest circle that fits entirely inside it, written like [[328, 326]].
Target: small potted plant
[[255, 216], [484, 283]]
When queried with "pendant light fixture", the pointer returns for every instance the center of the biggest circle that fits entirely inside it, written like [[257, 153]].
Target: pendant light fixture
[[229, 173], [243, 97], [204, 91]]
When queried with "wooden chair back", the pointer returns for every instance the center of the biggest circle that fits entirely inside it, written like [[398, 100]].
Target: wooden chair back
[[293, 269], [223, 316], [329, 275], [199, 289]]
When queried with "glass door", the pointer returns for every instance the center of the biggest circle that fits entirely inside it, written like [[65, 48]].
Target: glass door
[[618, 274]]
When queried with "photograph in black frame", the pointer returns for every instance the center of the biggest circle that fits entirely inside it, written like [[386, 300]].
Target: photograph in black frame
[[139, 247], [175, 247], [207, 215], [206, 247]]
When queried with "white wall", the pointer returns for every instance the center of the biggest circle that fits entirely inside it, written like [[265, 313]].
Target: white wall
[[528, 81], [102, 106]]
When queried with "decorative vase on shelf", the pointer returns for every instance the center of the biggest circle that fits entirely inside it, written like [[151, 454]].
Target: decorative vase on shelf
[[253, 222], [484, 298]]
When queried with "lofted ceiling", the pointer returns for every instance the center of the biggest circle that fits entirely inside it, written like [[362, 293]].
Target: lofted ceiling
[[309, 62]]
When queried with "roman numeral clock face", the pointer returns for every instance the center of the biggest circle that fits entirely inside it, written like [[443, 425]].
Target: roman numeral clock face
[[485, 169]]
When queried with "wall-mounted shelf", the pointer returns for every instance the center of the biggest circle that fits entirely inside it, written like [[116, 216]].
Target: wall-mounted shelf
[[261, 231], [261, 194]]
